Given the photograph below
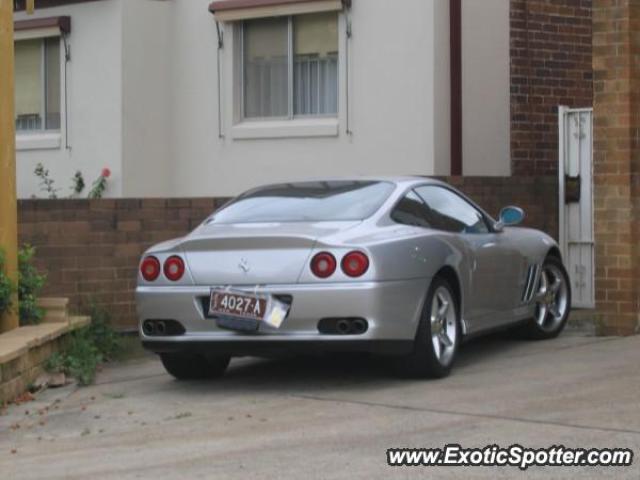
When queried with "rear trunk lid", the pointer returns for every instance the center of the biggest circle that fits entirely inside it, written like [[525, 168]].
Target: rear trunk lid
[[251, 254]]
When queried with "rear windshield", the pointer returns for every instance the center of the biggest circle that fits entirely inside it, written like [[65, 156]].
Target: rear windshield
[[306, 202]]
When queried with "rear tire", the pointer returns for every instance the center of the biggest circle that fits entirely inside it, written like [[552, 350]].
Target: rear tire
[[185, 366], [438, 337], [553, 302]]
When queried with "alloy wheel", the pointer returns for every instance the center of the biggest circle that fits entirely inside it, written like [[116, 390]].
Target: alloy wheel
[[551, 298], [443, 325]]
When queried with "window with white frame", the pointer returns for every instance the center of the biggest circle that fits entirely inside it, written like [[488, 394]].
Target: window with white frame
[[37, 85], [290, 67]]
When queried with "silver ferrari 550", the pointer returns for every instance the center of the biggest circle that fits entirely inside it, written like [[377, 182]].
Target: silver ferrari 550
[[400, 266]]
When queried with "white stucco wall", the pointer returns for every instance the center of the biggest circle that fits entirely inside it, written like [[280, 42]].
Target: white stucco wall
[[143, 100], [485, 88], [94, 102], [393, 105], [442, 90], [146, 104]]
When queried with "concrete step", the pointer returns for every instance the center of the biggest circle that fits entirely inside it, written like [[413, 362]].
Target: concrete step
[[55, 317], [56, 309], [53, 303], [584, 321], [24, 351], [78, 321]]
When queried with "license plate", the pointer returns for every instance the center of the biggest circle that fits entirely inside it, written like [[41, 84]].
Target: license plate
[[226, 303]]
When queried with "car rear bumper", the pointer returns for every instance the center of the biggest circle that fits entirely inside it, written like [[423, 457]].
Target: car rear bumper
[[391, 309]]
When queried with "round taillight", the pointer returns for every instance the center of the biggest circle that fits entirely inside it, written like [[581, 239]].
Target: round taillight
[[355, 264], [150, 268], [174, 268], [323, 265]]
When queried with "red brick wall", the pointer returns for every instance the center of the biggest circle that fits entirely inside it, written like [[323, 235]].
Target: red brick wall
[[550, 66], [538, 196], [90, 248]]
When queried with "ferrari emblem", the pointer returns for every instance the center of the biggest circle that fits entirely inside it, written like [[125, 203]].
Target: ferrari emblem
[[244, 265]]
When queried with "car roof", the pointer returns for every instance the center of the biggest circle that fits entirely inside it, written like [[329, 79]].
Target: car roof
[[407, 180]]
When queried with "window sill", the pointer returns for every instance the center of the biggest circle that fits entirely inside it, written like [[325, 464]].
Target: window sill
[[315, 127], [38, 141]]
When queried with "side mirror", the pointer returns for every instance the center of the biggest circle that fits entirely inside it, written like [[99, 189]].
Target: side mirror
[[509, 216]]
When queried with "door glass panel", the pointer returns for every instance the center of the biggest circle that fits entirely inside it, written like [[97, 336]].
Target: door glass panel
[[411, 210], [450, 212]]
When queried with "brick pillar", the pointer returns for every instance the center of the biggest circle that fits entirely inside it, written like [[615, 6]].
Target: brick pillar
[[616, 68]]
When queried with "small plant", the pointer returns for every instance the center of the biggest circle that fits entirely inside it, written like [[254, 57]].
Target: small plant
[[80, 359], [83, 357], [78, 184], [46, 182], [55, 363], [7, 288], [100, 184], [105, 338], [30, 283], [87, 348]]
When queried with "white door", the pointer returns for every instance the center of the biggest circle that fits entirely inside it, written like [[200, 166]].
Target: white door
[[576, 201]]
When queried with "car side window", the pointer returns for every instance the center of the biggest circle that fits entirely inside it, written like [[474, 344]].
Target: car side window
[[411, 210], [450, 212]]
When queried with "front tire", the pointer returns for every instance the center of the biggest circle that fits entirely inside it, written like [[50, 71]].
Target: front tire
[[553, 302], [185, 366], [438, 337]]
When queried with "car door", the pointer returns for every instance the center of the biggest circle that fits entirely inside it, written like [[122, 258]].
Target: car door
[[495, 265]]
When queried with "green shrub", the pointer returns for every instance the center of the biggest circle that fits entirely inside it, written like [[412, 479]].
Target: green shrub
[[105, 338], [87, 348], [55, 363], [7, 287], [80, 358], [83, 357], [30, 283]]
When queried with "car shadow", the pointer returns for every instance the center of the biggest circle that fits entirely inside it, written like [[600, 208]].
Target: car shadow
[[341, 371], [481, 348]]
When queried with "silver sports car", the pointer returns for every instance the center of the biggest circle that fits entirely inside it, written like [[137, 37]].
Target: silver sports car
[[401, 266]]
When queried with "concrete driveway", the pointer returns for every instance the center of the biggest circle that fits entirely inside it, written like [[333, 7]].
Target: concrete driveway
[[332, 418]]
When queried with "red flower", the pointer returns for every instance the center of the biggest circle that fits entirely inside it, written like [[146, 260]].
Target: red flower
[[106, 173]]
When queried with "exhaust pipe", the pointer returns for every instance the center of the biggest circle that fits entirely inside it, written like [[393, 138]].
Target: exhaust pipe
[[161, 328], [359, 326], [343, 327], [148, 328]]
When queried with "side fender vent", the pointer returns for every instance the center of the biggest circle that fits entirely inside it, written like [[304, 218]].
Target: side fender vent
[[530, 284]]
